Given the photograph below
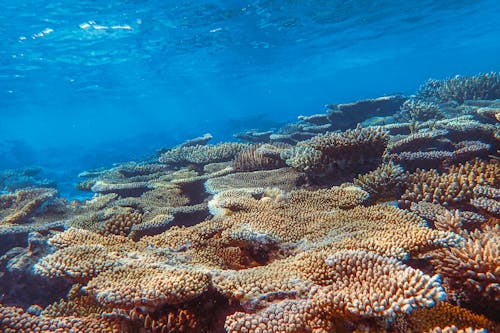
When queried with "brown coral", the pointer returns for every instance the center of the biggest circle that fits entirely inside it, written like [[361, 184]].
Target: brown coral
[[474, 269], [363, 284], [447, 315], [15, 320], [355, 150], [454, 187], [385, 181], [252, 159], [284, 178], [18, 207]]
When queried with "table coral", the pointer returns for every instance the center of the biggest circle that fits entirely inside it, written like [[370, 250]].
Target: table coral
[[363, 284], [202, 154], [446, 315], [15, 320], [284, 178], [19, 206]]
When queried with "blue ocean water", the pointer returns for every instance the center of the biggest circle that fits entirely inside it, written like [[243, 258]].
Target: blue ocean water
[[86, 84]]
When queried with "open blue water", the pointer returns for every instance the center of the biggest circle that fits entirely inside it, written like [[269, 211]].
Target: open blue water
[[84, 84]]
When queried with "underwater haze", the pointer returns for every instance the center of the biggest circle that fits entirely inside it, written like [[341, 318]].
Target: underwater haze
[[249, 166], [85, 84]]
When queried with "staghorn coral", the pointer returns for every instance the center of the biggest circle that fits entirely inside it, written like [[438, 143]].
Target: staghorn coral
[[473, 270], [385, 181], [447, 315], [461, 88]]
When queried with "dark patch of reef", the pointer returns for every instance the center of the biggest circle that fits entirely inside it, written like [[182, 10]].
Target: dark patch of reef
[[376, 216]]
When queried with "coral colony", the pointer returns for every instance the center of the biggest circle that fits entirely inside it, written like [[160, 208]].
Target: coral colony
[[376, 216]]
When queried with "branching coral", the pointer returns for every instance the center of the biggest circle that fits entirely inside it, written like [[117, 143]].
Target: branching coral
[[202, 154], [253, 158], [357, 150], [18, 207], [473, 269], [297, 247], [447, 315], [15, 320], [453, 188], [385, 181], [461, 88], [363, 284], [419, 110]]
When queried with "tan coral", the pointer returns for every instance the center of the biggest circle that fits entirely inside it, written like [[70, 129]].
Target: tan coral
[[146, 286], [202, 154], [15, 320], [79, 263], [283, 245], [382, 182], [455, 187], [416, 141], [284, 178], [77, 304], [252, 159], [19, 206], [338, 152], [446, 315], [474, 268], [108, 221], [397, 233], [363, 284]]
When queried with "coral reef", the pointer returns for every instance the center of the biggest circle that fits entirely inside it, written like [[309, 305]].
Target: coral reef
[[414, 110], [338, 154], [259, 157], [201, 154], [472, 272], [453, 188], [384, 182], [392, 226], [462, 88]]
